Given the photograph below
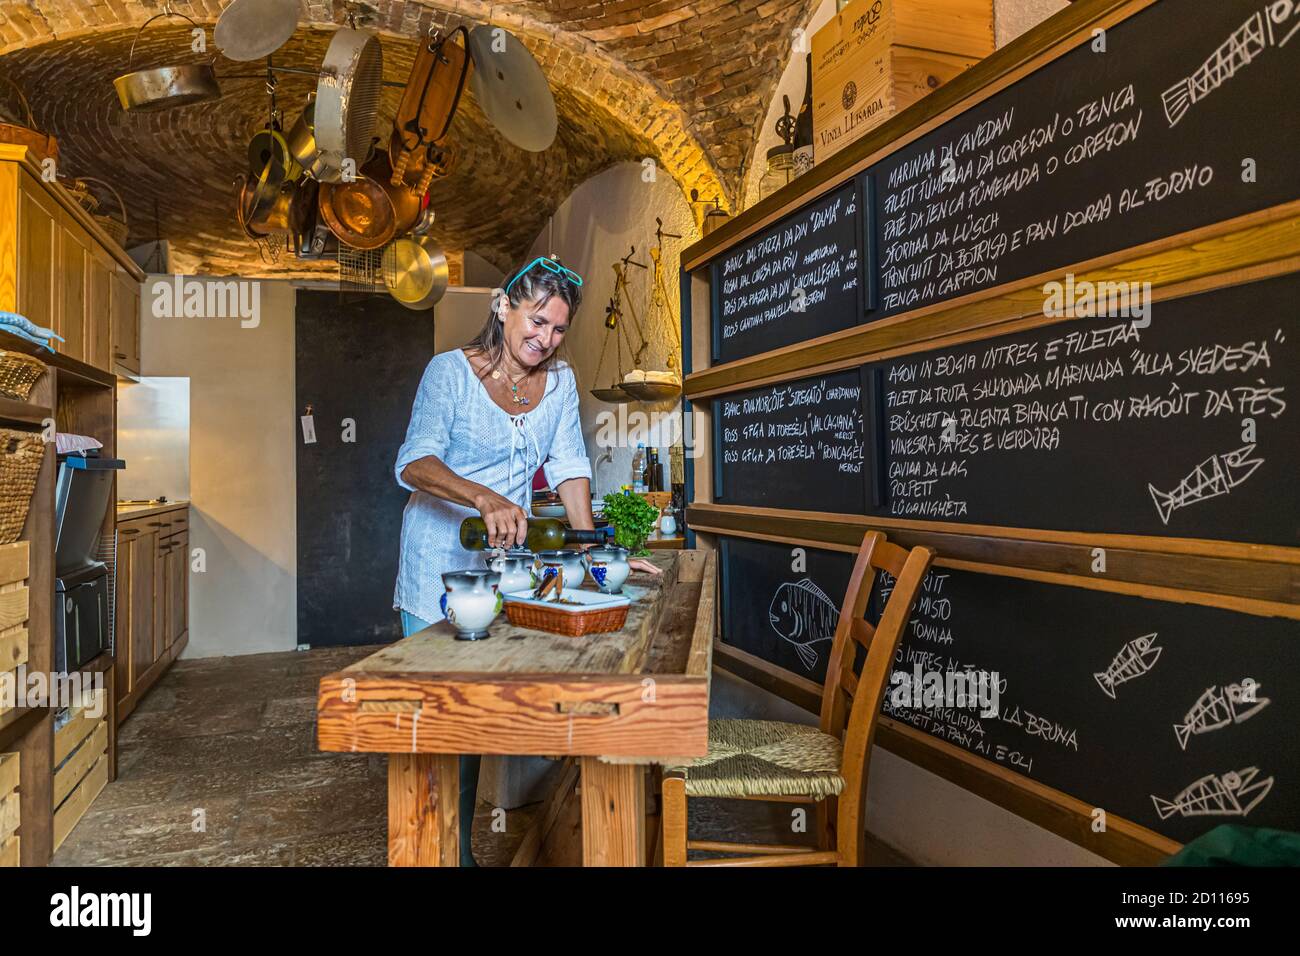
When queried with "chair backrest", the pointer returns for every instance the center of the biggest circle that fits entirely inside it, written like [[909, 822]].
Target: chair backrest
[[851, 701]]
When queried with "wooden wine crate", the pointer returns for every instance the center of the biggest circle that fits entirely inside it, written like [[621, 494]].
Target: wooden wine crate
[[877, 57], [81, 758], [10, 815], [14, 565]]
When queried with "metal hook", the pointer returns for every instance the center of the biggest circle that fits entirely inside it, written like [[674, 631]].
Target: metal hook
[[628, 260], [660, 234]]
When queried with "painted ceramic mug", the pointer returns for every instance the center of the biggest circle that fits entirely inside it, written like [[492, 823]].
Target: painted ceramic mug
[[518, 570], [608, 567], [566, 560], [470, 602]]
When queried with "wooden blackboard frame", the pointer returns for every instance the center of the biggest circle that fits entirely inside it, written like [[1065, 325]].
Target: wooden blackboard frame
[[866, 288], [1251, 578], [872, 438]]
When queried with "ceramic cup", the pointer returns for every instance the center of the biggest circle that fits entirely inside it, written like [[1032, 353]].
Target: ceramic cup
[[608, 567], [470, 602], [518, 570], [567, 560]]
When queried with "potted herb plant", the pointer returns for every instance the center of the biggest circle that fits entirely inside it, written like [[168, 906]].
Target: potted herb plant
[[633, 519]]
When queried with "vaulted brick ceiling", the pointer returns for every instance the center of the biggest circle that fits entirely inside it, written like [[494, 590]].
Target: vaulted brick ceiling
[[686, 83]]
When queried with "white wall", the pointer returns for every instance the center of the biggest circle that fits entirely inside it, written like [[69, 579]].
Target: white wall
[[592, 229], [243, 432]]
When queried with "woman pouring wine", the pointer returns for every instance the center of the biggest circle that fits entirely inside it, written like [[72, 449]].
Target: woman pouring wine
[[486, 416]]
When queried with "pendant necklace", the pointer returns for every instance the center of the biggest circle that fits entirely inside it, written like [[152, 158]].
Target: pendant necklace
[[514, 386]]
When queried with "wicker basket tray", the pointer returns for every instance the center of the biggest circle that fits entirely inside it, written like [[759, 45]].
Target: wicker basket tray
[[609, 615], [21, 454], [18, 373]]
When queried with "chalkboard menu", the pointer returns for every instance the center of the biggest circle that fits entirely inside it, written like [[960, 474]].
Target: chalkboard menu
[[1174, 716], [1181, 428], [795, 281], [1170, 121], [795, 445], [781, 602]]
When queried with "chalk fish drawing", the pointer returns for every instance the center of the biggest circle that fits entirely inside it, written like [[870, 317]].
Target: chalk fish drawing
[[1133, 660], [803, 615], [1265, 28], [1234, 794], [1215, 476], [1219, 707]]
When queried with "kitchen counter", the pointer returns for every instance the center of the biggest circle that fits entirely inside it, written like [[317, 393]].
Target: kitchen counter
[[126, 512], [429, 697]]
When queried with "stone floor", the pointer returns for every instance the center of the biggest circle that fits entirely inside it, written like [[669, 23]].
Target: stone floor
[[218, 766]]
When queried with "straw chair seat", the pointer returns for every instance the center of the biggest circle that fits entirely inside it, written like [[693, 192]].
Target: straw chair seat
[[756, 758]]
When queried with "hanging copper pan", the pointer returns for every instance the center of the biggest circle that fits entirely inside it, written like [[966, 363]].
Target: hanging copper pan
[[359, 213]]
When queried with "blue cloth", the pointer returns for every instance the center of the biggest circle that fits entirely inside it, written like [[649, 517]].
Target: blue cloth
[[28, 326], [469, 766], [27, 336]]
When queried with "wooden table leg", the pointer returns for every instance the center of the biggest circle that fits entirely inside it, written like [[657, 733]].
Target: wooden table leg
[[613, 813], [423, 802]]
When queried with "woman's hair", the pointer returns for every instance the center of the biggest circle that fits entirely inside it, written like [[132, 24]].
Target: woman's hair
[[538, 284]]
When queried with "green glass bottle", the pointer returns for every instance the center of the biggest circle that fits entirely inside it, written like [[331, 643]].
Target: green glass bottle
[[544, 534]]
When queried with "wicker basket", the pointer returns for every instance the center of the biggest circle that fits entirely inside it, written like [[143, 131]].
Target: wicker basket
[[42, 145], [599, 620], [18, 373], [21, 454]]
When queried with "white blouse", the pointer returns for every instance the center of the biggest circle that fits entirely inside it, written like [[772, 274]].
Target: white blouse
[[456, 420]]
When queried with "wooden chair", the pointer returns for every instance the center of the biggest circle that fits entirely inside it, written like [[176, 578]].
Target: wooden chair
[[796, 763]]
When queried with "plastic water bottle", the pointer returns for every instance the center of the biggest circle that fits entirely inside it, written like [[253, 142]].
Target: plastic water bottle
[[638, 470]]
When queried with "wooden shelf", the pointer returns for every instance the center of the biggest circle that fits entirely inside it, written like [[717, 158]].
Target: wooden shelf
[[75, 373], [13, 411], [17, 723]]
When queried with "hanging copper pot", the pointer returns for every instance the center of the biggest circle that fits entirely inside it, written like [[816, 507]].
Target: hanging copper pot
[[406, 202]]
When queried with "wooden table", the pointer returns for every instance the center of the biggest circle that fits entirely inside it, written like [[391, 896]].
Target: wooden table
[[615, 701]]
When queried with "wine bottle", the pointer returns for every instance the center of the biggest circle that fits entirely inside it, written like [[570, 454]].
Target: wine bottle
[[544, 534], [803, 128]]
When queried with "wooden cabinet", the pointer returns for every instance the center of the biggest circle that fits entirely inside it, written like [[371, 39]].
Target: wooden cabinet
[[36, 276], [142, 548], [69, 278], [125, 308], [152, 600], [100, 270]]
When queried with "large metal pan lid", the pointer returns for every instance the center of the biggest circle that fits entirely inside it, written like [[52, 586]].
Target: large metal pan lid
[[253, 29], [416, 272], [511, 88]]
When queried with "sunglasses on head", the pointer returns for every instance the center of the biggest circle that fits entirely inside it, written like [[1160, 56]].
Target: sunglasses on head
[[550, 265]]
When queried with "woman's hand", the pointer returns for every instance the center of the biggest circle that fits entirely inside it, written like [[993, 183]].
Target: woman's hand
[[507, 524], [643, 564]]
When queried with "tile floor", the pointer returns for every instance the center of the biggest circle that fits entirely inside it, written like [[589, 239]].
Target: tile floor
[[218, 766]]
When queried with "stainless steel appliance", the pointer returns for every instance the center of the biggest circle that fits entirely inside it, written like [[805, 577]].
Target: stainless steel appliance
[[82, 583]]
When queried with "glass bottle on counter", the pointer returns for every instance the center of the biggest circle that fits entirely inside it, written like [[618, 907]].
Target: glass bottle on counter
[[544, 534]]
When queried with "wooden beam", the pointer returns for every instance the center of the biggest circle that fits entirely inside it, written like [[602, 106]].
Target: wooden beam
[[613, 813], [423, 810]]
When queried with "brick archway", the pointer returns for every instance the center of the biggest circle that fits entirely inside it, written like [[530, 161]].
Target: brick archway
[[632, 80]]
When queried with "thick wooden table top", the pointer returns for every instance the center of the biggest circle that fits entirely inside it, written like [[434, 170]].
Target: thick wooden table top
[[639, 692]]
